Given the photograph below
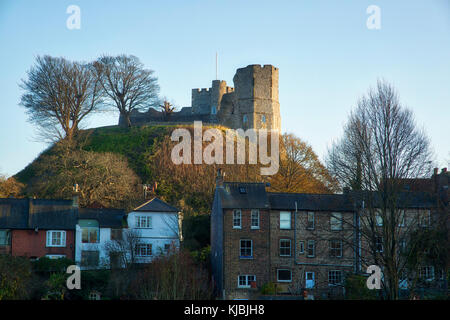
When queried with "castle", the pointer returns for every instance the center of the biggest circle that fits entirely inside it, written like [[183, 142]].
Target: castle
[[252, 103]]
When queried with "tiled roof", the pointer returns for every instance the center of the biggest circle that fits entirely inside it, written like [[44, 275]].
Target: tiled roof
[[244, 195], [156, 205], [313, 202], [107, 218]]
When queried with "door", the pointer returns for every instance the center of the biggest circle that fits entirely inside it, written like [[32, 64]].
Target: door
[[309, 280]]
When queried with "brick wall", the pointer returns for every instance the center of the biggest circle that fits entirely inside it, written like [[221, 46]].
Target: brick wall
[[29, 243], [233, 265]]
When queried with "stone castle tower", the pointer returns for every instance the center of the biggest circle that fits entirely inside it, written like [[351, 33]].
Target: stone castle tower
[[252, 103]]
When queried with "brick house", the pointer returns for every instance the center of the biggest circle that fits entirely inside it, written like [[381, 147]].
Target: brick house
[[297, 241], [35, 228]]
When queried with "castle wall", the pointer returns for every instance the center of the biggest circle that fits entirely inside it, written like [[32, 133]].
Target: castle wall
[[253, 98]]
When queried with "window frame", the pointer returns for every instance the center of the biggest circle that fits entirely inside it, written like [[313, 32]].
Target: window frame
[[285, 248], [336, 219], [335, 273], [245, 248], [235, 211], [285, 220], [278, 275], [301, 245], [139, 248], [308, 214], [340, 249], [313, 248], [252, 219], [149, 221], [49, 238], [247, 280]]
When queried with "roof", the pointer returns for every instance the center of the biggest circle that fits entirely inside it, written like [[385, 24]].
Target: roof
[[406, 199], [107, 218], [156, 205], [37, 213], [307, 201], [243, 195]]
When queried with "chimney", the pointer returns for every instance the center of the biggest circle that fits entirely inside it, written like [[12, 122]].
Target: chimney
[[75, 196], [219, 178]]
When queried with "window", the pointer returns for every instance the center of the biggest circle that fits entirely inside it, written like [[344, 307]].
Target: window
[[245, 118], [213, 110], [284, 275], [425, 218], [310, 221], [301, 247], [334, 277], [90, 231], [336, 248], [378, 218], [245, 281], [311, 250], [379, 244], [285, 247], [5, 237], [242, 190], [263, 119], [426, 273], [94, 295], [401, 218], [336, 221], [237, 219], [245, 248], [90, 258], [285, 220], [255, 219], [166, 248], [116, 234], [55, 256], [402, 245], [144, 250], [144, 222], [56, 238]]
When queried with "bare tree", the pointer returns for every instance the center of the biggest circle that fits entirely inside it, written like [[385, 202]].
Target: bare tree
[[128, 86], [381, 147], [124, 248], [167, 109], [59, 94]]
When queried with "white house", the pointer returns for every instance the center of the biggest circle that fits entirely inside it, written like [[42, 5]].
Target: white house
[[94, 228], [158, 226]]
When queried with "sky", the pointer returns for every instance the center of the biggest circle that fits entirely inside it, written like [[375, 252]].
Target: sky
[[327, 57]]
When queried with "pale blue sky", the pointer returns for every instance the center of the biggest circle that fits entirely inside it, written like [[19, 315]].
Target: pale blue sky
[[326, 55]]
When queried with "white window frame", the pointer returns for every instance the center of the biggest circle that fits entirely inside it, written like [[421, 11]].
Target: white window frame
[[332, 274], [138, 250], [308, 215], [285, 220], [49, 238], [235, 218], [148, 222], [249, 278], [336, 221], [55, 256], [254, 217], [240, 249], [278, 273], [429, 271]]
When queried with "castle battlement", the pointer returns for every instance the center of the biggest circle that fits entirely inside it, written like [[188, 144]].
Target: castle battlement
[[251, 103]]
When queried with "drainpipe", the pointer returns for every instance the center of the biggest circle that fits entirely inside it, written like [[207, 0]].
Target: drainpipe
[[295, 234]]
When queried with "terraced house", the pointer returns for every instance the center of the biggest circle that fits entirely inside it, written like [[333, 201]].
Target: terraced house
[[302, 242]]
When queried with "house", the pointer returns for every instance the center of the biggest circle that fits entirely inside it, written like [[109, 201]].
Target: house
[[94, 229], [36, 228], [298, 241], [157, 225]]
